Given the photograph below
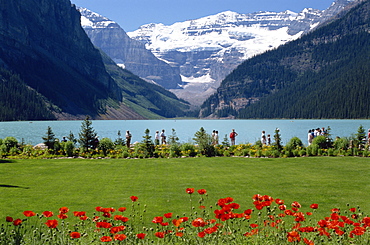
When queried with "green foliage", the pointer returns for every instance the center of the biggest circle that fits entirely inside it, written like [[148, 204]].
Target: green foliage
[[72, 138], [49, 139], [9, 143], [68, 148], [87, 135], [225, 142], [106, 145], [204, 142], [360, 136], [294, 143], [341, 143], [277, 144], [119, 141], [146, 147], [320, 141]]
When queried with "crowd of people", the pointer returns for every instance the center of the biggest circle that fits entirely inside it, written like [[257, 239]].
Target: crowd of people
[[313, 133], [160, 137]]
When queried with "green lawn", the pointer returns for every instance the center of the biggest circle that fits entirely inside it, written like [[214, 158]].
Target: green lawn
[[81, 185]]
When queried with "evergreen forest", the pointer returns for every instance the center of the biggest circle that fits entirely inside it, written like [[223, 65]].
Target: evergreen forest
[[20, 102]]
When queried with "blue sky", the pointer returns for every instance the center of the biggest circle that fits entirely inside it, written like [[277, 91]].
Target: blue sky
[[131, 14]]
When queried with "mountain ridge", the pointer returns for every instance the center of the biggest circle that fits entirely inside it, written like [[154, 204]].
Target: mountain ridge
[[323, 74], [209, 48]]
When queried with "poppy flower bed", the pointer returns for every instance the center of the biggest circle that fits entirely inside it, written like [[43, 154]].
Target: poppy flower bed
[[267, 220]]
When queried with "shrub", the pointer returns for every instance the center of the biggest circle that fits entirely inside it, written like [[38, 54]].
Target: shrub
[[320, 141], [106, 145], [341, 143], [294, 143], [68, 148], [8, 143]]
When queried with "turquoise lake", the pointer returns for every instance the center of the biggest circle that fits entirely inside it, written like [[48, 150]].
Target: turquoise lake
[[249, 131]]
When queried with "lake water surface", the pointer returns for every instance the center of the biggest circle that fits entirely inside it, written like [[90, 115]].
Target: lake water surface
[[249, 130]]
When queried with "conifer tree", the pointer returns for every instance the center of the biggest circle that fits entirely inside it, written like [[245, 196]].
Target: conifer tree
[[49, 139], [87, 134]]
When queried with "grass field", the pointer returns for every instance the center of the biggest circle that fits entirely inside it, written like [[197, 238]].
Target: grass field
[[81, 185]]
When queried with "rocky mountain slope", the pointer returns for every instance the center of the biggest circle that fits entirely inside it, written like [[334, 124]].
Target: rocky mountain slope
[[324, 74], [126, 52], [48, 61], [205, 50]]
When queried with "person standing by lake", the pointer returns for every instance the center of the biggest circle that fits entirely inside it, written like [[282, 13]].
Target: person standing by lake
[[156, 137], [233, 134], [163, 138], [128, 139]]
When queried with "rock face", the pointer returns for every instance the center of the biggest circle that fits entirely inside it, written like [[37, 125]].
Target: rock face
[[207, 49], [43, 41], [128, 53]]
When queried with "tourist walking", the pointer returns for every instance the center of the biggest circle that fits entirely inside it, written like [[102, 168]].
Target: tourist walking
[[128, 139], [157, 137], [216, 138], [163, 138], [309, 137], [233, 134]]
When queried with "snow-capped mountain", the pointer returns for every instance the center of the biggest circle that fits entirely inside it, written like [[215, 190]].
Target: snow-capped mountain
[[207, 49], [126, 52]]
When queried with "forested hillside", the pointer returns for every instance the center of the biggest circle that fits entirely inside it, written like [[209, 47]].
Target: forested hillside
[[51, 70], [19, 102], [325, 74]]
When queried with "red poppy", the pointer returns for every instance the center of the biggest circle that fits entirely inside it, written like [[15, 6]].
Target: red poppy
[[168, 215], [17, 222], [253, 225], [106, 239], [179, 234], [121, 218], [63, 210], [202, 234], [314, 206], [103, 225], [358, 231], [134, 198], [251, 233], [120, 237], [48, 214], [279, 201], [84, 217], [62, 216], [282, 207], [352, 210], [117, 229], [308, 242], [52, 223], [141, 235], [98, 208], [296, 205], [293, 236], [157, 220], [159, 234], [79, 213], [75, 235], [202, 191], [29, 213], [9, 219], [190, 190], [122, 209], [198, 222]]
